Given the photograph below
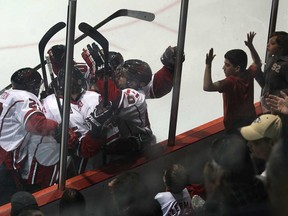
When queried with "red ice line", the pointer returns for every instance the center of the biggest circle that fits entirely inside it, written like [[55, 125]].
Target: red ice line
[[176, 2]]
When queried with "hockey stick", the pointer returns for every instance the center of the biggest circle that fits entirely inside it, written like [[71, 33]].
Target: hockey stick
[[6, 88], [103, 42], [141, 15], [53, 84], [41, 47]]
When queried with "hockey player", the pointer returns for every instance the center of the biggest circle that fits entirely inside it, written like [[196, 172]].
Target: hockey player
[[134, 83], [114, 60], [129, 108], [82, 103], [20, 117]]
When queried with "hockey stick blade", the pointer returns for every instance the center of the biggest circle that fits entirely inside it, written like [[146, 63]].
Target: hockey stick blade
[[41, 47], [95, 35], [142, 15]]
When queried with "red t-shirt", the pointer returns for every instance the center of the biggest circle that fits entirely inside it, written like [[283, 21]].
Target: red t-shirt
[[238, 100]]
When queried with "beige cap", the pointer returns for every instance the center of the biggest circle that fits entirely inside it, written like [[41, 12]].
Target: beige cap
[[265, 126]]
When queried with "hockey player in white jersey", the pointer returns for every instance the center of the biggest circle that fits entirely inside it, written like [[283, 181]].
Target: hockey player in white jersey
[[134, 83], [82, 103], [21, 117], [129, 107]]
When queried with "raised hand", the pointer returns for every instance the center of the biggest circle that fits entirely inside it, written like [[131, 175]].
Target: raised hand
[[250, 37], [209, 57], [168, 58]]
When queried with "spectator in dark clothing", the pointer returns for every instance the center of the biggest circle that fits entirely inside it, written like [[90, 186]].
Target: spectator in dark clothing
[[231, 184], [131, 196], [72, 203]]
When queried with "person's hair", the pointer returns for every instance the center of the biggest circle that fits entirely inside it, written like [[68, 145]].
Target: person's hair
[[31, 212], [71, 200], [281, 40], [22, 200], [231, 153], [127, 188], [130, 194], [237, 57], [176, 178]]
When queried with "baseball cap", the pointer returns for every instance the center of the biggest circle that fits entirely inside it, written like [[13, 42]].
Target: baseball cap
[[22, 200], [265, 126]]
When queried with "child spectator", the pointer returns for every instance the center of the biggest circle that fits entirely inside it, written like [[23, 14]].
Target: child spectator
[[176, 200], [275, 76], [237, 88]]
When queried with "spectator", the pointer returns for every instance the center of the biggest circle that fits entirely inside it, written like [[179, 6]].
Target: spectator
[[22, 201], [231, 185], [277, 177], [176, 200], [262, 134], [72, 203], [237, 88], [132, 197], [31, 212], [275, 76]]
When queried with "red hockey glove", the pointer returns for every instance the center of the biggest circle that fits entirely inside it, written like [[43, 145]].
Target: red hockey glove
[[57, 57], [89, 61], [168, 58]]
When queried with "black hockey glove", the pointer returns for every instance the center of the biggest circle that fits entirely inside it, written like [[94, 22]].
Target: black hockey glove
[[96, 54], [168, 58], [98, 119], [72, 137]]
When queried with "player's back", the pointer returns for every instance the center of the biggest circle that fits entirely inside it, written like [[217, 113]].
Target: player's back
[[16, 106]]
